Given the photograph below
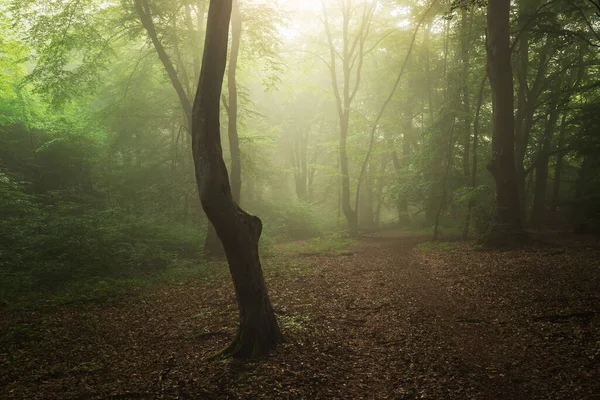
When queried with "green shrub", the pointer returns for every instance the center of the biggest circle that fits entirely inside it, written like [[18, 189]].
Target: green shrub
[[285, 220], [62, 243]]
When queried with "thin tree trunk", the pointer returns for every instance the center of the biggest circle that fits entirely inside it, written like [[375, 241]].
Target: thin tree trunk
[[538, 210], [143, 10], [380, 187], [466, 102], [389, 99], [558, 168], [561, 139], [352, 56], [472, 201], [212, 246], [428, 74], [578, 211], [232, 109], [442, 205], [239, 231]]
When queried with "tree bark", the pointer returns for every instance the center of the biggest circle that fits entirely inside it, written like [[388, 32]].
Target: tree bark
[[212, 246], [538, 210], [388, 100], [352, 59], [232, 109], [528, 95], [449, 159], [472, 201], [143, 10], [558, 168], [299, 155], [465, 42], [508, 222], [239, 231]]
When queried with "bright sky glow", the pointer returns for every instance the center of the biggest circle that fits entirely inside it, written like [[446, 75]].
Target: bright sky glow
[[306, 5], [309, 13]]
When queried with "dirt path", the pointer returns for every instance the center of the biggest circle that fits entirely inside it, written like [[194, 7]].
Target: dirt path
[[380, 321]]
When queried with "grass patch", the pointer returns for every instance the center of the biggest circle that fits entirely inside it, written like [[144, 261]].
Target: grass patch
[[20, 334], [435, 246], [334, 243], [294, 322], [87, 367], [101, 290]]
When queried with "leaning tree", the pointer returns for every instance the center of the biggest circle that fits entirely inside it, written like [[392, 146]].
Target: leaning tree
[[239, 231]]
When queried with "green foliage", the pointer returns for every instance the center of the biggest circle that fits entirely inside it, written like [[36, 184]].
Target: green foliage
[[65, 242], [332, 242], [72, 43], [468, 194], [293, 322], [286, 220]]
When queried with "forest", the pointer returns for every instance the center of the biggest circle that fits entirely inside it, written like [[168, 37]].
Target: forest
[[311, 199]]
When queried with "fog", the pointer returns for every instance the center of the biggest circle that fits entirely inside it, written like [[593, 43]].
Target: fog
[[322, 149]]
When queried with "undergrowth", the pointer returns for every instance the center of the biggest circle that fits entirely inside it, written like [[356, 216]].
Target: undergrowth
[[332, 243]]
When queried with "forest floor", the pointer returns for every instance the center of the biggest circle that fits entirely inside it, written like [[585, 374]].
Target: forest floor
[[392, 317]]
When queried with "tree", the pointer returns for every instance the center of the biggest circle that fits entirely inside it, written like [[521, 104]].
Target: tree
[[352, 56], [179, 81], [232, 105], [508, 222], [239, 231]]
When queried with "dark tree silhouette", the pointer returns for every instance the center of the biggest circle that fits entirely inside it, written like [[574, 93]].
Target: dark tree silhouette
[[508, 222], [239, 231]]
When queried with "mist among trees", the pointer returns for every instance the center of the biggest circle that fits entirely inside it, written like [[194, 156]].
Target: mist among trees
[[364, 198]]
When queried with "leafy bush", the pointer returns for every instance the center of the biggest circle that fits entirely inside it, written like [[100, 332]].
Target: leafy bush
[[57, 244], [285, 220]]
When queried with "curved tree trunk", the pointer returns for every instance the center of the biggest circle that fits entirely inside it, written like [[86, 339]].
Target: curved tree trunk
[[508, 221], [232, 109], [239, 231], [212, 246]]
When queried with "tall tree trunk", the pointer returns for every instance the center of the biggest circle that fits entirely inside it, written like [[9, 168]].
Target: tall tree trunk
[[508, 223], [299, 155], [239, 231], [212, 245], [449, 159], [527, 100], [352, 56], [465, 40], [472, 201], [143, 11], [380, 187], [403, 214], [311, 174], [428, 74], [538, 211], [578, 211], [232, 109], [383, 108], [560, 153]]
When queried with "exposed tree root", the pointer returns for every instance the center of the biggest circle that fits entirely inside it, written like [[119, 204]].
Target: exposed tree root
[[247, 348]]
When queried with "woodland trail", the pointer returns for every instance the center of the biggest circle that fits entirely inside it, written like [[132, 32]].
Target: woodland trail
[[382, 320]]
